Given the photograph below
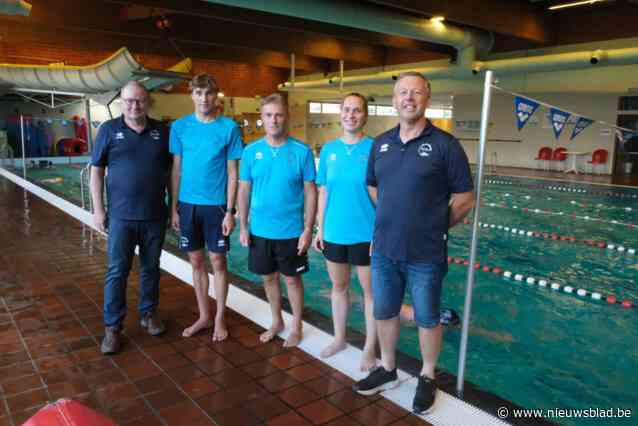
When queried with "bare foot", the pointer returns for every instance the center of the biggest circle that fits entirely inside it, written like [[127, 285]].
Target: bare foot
[[368, 361], [269, 334], [332, 349], [293, 339], [221, 332], [199, 325]]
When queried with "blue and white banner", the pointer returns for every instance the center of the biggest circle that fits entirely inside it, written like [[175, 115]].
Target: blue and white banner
[[581, 124], [524, 109], [558, 119]]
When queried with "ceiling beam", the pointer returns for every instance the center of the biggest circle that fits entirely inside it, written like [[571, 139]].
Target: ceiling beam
[[76, 38], [195, 29], [292, 26], [518, 18], [262, 39]]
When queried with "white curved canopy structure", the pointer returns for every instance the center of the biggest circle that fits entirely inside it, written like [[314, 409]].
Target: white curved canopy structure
[[106, 76]]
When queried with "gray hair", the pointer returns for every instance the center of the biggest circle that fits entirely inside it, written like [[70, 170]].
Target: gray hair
[[135, 83], [414, 74]]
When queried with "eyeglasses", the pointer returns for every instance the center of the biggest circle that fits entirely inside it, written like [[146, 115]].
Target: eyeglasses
[[131, 102]]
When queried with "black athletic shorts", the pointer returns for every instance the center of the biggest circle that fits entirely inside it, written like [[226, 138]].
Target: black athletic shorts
[[199, 225], [354, 254], [267, 256]]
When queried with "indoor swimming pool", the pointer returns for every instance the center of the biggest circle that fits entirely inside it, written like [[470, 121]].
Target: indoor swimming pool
[[554, 301]]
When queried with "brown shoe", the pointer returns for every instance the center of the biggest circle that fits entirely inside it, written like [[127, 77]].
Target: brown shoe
[[112, 340], [153, 323]]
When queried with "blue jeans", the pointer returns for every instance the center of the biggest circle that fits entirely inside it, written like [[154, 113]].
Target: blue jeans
[[424, 281], [123, 236]]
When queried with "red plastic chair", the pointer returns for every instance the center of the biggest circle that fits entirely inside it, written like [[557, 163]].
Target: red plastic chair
[[598, 158], [560, 156], [545, 155]]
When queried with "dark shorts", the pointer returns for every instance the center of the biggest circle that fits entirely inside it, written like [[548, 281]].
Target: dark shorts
[[353, 254], [267, 256], [201, 225]]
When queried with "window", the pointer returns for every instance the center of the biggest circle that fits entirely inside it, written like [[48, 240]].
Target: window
[[386, 110], [438, 113], [315, 107], [330, 108]]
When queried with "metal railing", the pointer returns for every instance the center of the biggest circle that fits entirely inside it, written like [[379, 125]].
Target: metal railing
[[7, 153], [85, 187]]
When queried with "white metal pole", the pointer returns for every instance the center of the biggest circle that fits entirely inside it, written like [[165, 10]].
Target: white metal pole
[[485, 119], [24, 157]]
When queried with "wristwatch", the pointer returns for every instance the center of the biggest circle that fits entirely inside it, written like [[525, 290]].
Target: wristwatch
[[231, 210]]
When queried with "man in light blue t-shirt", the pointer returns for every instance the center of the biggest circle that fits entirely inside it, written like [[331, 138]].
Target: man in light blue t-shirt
[[277, 187], [206, 148]]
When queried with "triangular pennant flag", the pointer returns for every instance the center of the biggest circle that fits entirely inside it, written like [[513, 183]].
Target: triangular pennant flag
[[524, 109], [558, 119], [624, 135], [96, 124], [581, 124]]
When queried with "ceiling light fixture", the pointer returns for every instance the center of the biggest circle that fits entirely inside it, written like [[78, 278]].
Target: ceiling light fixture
[[575, 3], [437, 19]]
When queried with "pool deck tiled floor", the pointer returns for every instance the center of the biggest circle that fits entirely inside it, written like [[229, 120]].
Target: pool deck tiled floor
[[51, 277]]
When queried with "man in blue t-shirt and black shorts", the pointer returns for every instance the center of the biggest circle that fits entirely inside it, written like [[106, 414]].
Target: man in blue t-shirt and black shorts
[[277, 187], [206, 148], [420, 178], [134, 151]]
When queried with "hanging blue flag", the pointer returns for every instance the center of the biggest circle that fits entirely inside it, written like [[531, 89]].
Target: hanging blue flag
[[624, 135], [525, 108], [581, 124], [558, 119]]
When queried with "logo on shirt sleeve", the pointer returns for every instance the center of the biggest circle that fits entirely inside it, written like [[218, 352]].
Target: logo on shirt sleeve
[[384, 147], [119, 135], [259, 155], [425, 149]]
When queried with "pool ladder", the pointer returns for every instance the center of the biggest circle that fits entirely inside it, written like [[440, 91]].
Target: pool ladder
[[85, 187], [6, 149], [493, 163]]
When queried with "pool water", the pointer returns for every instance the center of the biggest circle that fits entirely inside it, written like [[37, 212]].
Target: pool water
[[534, 346]]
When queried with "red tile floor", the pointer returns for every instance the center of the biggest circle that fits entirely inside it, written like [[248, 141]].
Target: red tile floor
[[51, 276]]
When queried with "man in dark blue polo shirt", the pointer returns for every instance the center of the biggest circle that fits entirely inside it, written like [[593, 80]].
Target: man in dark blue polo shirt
[[420, 178], [134, 150]]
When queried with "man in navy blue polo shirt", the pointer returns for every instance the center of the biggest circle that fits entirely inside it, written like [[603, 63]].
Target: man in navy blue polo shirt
[[134, 150], [420, 178]]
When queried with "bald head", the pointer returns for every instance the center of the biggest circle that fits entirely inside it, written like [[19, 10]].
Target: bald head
[[135, 101]]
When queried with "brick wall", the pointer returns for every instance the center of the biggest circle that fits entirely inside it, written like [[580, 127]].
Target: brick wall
[[30, 44]]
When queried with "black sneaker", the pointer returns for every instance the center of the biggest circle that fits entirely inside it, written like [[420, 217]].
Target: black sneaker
[[424, 395], [378, 380]]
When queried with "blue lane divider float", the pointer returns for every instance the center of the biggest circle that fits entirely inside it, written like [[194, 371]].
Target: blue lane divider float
[[581, 204], [556, 237], [572, 215], [585, 294], [562, 188]]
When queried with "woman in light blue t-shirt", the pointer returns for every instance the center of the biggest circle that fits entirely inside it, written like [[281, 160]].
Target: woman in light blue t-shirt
[[346, 222]]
